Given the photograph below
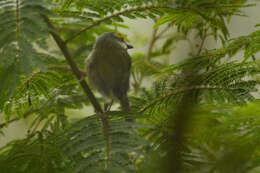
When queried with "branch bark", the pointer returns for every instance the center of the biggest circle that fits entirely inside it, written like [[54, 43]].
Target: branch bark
[[62, 45]]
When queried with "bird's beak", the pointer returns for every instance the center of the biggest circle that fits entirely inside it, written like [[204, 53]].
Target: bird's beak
[[129, 46]]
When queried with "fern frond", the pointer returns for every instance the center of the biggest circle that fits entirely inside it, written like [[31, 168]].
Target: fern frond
[[88, 144], [129, 13], [44, 91], [229, 83], [203, 14], [21, 25], [210, 58], [32, 153]]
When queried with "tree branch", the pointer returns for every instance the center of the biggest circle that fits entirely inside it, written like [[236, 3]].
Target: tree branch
[[149, 51], [159, 35], [198, 11], [225, 51], [62, 45], [201, 44], [83, 73], [112, 16], [204, 37], [154, 38], [151, 44], [78, 74], [26, 114]]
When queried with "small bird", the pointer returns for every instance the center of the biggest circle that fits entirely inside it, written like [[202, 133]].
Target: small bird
[[108, 68]]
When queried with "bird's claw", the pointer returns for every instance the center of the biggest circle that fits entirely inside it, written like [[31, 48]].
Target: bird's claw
[[82, 78], [107, 106]]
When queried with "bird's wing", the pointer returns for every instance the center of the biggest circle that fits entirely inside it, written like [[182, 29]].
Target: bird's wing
[[121, 62], [110, 71]]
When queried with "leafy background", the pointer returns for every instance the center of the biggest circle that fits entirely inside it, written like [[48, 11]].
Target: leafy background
[[194, 87]]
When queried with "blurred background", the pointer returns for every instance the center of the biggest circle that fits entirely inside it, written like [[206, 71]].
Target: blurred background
[[139, 34]]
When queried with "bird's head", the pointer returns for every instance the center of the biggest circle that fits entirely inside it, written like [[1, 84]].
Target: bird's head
[[112, 40]]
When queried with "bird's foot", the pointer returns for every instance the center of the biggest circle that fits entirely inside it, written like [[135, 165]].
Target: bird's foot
[[83, 75], [107, 106]]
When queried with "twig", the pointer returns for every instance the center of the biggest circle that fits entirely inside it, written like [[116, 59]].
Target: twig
[[149, 51], [129, 11], [112, 16], [16, 119], [201, 44], [136, 82], [62, 45], [83, 73], [203, 41], [154, 38], [179, 92], [25, 83], [60, 67], [29, 95], [17, 15], [224, 52], [151, 44], [73, 66], [159, 35]]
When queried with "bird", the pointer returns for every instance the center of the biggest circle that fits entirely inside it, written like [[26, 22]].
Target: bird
[[108, 69]]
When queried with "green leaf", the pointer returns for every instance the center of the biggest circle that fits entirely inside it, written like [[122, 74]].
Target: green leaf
[[9, 79]]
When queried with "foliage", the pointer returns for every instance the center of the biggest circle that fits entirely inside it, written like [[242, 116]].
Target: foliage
[[38, 152], [197, 115], [94, 152]]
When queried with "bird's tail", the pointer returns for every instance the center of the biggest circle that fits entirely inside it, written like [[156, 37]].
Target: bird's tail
[[124, 102]]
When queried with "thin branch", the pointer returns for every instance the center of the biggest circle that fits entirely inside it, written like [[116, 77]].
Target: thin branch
[[66, 68], [29, 95], [25, 83], [83, 73], [203, 40], [198, 11], [62, 45], [233, 48], [112, 16], [73, 66], [17, 15], [154, 38], [159, 35], [16, 119], [225, 51], [136, 83], [149, 51], [201, 44], [179, 92], [151, 44]]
